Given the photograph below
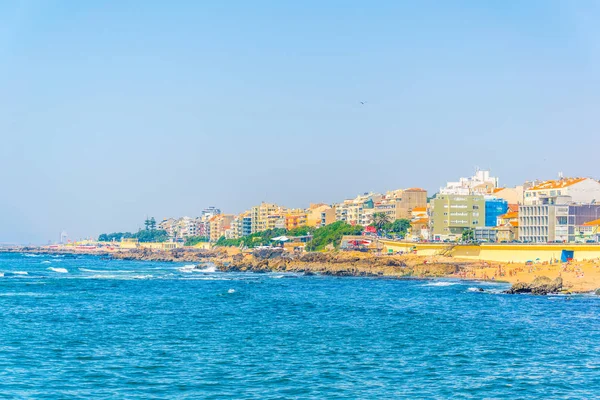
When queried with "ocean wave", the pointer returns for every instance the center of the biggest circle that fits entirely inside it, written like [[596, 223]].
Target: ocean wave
[[187, 269], [209, 268], [19, 273], [142, 277], [46, 262], [474, 289], [442, 284], [58, 270], [1, 274], [98, 271], [231, 291], [277, 276], [32, 255]]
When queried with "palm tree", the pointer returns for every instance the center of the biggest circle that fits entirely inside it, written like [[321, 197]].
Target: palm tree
[[380, 220]]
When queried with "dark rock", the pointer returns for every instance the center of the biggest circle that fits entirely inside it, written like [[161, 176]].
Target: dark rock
[[597, 292], [541, 286]]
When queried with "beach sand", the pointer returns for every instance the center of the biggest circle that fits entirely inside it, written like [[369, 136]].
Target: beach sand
[[580, 276]]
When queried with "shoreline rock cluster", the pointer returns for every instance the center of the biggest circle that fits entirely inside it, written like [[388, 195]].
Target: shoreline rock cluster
[[540, 286]]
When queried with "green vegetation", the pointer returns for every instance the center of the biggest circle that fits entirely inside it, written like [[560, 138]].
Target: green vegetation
[[256, 239], [468, 235], [322, 237], [114, 237], [332, 234], [380, 220], [150, 234], [398, 227], [194, 240]]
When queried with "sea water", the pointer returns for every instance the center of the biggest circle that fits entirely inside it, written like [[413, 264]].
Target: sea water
[[87, 327]]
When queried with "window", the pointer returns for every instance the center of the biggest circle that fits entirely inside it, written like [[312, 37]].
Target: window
[[475, 207], [475, 222]]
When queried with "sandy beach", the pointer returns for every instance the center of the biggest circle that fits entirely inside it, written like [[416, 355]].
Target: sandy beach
[[583, 276]]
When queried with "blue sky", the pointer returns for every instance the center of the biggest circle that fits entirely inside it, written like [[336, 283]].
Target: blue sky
[[111, 111]]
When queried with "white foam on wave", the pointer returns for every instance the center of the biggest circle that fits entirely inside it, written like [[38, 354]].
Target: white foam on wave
[[208, 268], [142, 277], [187, 269], [46, 262], [20, 273], [277, 276], [442, 284], [58, 270], [473, 289], [1, 274], [231, 291], [32, 255], [97, 271]]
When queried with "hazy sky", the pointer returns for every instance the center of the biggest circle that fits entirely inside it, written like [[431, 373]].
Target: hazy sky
[[114, 110]]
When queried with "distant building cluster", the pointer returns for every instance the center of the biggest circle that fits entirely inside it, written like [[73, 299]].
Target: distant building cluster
[[562, 210]]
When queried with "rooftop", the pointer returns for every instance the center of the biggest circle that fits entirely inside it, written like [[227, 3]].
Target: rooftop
[[557, 184], [595, 222]]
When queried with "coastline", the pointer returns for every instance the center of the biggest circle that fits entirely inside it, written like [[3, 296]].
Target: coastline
[[575, 277]]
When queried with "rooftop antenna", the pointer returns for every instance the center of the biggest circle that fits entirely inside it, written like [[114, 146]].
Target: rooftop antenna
[[560, 175]]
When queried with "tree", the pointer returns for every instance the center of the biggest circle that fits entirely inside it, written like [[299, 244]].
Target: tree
[[380, 220], [332, 234], [399, 226], [152, 224], [194, 240], [468, 235]]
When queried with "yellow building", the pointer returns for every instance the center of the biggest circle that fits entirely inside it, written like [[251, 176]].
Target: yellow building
[[319, 215], [267, 216], [295, 219], [219, 224]]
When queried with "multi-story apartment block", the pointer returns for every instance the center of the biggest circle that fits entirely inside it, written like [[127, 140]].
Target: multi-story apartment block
[[267, 216], [219, 224], [410, 199], [452, 214], [319, 215], [480, 183], [580, 190], [554, 222], [295, 219]]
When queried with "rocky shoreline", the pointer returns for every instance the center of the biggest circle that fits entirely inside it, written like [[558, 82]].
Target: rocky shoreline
[[335, 263]]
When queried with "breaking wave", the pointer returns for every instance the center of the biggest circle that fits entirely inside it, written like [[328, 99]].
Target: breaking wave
[[58, 270], [442, 284]]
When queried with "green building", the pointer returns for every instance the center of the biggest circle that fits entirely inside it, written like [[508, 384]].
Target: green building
[[452, 214]]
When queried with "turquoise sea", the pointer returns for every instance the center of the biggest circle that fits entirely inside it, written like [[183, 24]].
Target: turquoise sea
[[87, 328]]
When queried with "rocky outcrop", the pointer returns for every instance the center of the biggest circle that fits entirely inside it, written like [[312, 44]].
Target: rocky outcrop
[[541, 286], [340, 264], [597, 292], [175, 255]]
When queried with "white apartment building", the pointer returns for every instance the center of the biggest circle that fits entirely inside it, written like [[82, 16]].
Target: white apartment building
[[480, 183]]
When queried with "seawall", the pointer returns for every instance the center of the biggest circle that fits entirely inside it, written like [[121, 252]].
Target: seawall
[[498, 252]]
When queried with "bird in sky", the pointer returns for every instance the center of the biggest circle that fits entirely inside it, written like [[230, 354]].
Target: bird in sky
[[363, 102]]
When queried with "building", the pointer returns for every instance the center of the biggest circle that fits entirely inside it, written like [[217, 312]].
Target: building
[[486, 234], [494, 208], [219, 224], [210, 211], [267, 216], [295, 219], [319, 215], [353, 211], [480, 183], [452, 214], [550, 222], [419, 228], [588, 232], [508, 225], [511, 195], [410, 199], [580, 190], [418, 212]]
